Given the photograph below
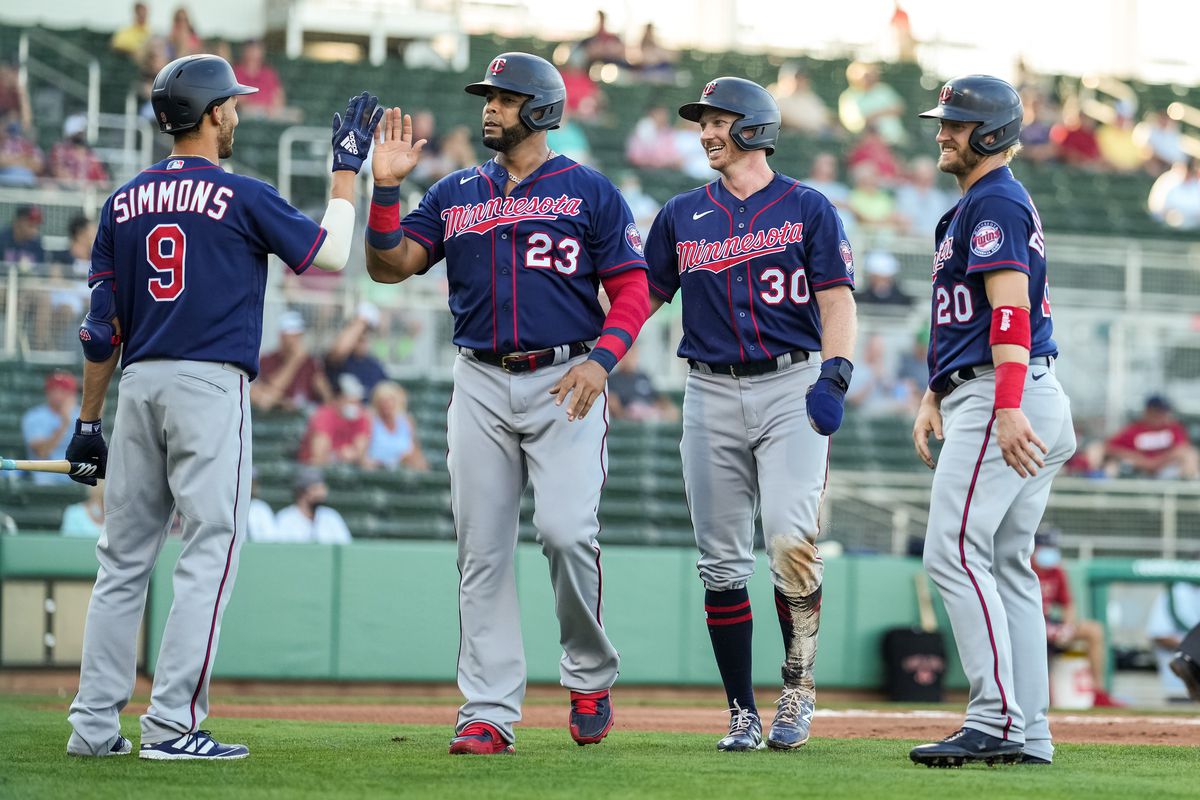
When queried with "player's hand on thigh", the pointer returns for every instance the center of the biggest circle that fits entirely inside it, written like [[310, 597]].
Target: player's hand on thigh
[[586, 383], [1020, 446], [929, 420]]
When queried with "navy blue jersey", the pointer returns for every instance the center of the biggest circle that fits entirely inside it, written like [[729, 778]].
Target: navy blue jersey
[[524, 270], [994, 226], [748, 269], [185, 244]]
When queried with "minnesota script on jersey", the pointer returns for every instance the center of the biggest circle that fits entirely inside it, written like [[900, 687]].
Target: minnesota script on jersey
[[522, 267], [748, 268]]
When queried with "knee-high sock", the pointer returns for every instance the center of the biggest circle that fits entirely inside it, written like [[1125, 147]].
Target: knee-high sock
[[799, 619], [731, 629]]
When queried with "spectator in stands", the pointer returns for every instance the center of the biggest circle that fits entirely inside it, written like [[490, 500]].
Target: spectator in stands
[[22, 242], [881, 289], [441, 155], [874, 391], [339, 431], [920, 199], [902, 35], [290, 378], [912, 374], [652, 143], [14, 99], [632, 395], [21, 161], [1064, 630], [655, 63], [1175, 196], [1161, 139], [585, 99], [72, 163], [823, 176], [644, 207], [70, 270], [394, 441], [1041, 114], [1175, 611], [182, 40], [130, 40], [1075, 138], [570, 139], [695, 160], [308, 519], [1088, 460], [869, 101], [1156, 445], [261, 525], [872, 149], [1118, 147], [154, 57], [351, 350], [47, 427], [252, 69], [800, 108], [603, 46], [85, 519], [873, 207]]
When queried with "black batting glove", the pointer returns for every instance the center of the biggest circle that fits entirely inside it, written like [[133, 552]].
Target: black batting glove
[[353, 134], [88, 447]]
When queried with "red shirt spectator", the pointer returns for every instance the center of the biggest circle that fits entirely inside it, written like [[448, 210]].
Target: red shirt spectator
[[290, 378], [1075, 138], [253, 70], [71, 160], [1056, 588], [338, 432], [872, 149], [1156, 444]]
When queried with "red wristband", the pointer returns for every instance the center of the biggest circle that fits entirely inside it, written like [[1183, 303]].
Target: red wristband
[[1010, 325], [1010, 383]]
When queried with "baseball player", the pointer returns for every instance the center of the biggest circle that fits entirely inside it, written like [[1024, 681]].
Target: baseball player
[[1006, 425], [528, 238], [766, 274], [178, 273]]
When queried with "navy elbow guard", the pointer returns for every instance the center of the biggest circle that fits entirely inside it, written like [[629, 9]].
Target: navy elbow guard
[[97, 336]]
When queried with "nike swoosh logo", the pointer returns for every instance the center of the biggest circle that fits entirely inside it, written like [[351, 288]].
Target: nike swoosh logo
[[1039, 377], [461, 181], [703, 213]]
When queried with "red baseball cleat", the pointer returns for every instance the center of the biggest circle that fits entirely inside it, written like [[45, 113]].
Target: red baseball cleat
[[481, 739], [1104, 700], [591, 716]]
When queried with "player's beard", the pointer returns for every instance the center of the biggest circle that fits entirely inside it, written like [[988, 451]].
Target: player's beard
[[225, 139], [961, 161], [508, 138]]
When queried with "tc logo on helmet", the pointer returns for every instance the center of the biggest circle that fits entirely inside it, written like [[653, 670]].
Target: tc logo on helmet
[[497, 65], [947, 93], [709, 89]]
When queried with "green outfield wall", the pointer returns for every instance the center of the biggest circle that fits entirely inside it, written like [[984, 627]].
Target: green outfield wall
[[387, 610]]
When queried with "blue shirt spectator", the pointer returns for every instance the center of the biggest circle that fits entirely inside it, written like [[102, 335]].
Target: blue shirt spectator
[[394, 441], [47, 428]]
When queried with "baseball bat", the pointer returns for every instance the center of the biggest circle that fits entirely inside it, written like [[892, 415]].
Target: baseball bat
[[925, 604], [61, 466]]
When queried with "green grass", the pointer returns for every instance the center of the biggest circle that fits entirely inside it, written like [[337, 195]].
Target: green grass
[[336, 760]]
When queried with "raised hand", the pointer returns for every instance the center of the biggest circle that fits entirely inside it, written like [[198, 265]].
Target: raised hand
[[352, 135], [395, 153]]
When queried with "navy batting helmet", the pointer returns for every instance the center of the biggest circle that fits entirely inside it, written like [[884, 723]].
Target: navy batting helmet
[[188, 87], [532, 76], [991, 102], [755, 104]]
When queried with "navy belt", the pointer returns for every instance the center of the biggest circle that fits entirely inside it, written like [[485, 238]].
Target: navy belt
[[747, 368], [531, 360], [961, 376]]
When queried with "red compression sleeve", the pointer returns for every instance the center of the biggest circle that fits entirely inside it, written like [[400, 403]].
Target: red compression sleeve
[[1010, 325], [629, 298], [1010, 384]]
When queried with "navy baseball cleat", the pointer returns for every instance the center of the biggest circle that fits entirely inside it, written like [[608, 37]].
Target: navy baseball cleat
[[793, 719], [194, 746], [121, 747], [1034, 761], [480, 739], [745, 731], [591, 716], [964, 746]]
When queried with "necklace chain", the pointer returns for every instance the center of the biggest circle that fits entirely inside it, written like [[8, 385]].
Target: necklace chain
[[515, 179]]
